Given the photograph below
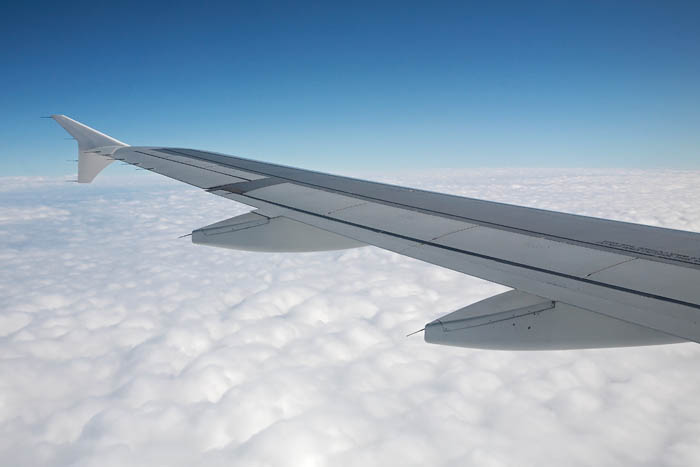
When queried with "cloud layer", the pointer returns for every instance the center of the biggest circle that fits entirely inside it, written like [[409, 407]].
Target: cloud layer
[[121, 344]]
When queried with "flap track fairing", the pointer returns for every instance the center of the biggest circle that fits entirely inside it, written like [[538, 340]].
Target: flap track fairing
[[256, 232], [516, 320]]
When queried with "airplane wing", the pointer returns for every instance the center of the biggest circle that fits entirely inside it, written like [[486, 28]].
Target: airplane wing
[[578, 282]]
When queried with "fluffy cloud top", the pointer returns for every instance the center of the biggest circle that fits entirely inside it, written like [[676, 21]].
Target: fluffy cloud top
[[121, 344]]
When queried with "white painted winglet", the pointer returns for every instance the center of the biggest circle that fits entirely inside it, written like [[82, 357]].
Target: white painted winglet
[[94, 147]]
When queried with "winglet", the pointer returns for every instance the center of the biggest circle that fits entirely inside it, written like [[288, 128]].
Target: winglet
[[94, 147]]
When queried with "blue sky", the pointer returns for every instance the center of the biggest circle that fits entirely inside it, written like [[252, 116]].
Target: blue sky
[[366, 86]]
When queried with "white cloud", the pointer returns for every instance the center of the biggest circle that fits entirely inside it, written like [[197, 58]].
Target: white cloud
[[121, 344]]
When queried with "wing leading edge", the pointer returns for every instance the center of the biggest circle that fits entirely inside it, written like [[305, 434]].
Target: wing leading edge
[[609, 283]]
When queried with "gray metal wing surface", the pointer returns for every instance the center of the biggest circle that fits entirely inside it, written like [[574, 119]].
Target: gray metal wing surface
[[579, 281]]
